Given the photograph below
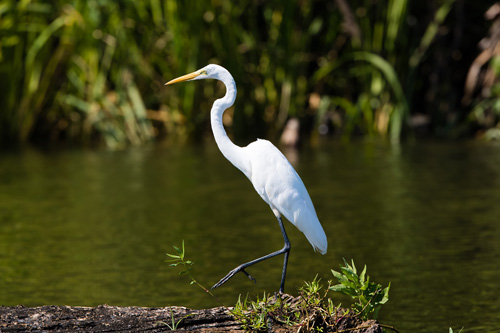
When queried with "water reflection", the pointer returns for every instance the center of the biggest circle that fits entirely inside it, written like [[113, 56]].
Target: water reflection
[[92, 227]]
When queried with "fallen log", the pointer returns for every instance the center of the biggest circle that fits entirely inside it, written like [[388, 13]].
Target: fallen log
[[105, 318]]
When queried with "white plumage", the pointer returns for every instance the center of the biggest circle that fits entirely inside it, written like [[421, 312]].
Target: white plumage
[[277, 183]]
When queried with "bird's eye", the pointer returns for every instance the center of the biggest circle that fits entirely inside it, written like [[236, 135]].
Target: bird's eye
[[203, 72]]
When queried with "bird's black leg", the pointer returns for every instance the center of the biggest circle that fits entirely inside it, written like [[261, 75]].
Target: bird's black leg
[[241, 268], [286, 249]]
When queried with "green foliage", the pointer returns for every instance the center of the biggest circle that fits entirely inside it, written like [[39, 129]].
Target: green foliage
[[368, 296], [91, 72], [310, 291], [382, 65], [311, 311], [179, 259], [174, 324], [254, 315], [67, 71], [267, 312]]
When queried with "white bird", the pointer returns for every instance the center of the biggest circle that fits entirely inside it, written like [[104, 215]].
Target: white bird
[[272, 176]]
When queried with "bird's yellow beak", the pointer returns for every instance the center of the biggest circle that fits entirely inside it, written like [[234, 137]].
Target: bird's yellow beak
[[186, 77]]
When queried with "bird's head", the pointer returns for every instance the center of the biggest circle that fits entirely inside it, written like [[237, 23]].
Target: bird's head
[[207, 72]]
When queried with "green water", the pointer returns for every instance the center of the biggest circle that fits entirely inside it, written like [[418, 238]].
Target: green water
[[93, 227]]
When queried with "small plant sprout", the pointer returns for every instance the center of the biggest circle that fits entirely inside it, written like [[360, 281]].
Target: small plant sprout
[[174, 324], [179, 259], [313, 287], [368, 296], [259, 315], [310, 291]]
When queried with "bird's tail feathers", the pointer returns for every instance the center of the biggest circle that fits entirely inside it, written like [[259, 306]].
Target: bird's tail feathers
[[319, 242], [312, 229]]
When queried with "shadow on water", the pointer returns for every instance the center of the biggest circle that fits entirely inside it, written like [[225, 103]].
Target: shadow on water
[[93, 227]]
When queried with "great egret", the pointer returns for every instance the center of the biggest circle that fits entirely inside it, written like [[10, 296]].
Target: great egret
[[272, 176]]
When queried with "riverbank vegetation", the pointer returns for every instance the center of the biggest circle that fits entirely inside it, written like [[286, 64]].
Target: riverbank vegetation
[[312, 310], [92, 72]]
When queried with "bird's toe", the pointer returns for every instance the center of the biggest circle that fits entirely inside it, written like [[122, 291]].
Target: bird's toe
[[249, 276]]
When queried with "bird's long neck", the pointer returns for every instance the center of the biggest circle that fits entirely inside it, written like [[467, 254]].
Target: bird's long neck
[[230, 151]]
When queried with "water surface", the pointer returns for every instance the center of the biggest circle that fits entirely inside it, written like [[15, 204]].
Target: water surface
[[92, 227]]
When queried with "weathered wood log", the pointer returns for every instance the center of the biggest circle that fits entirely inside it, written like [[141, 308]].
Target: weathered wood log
[[106, 318]]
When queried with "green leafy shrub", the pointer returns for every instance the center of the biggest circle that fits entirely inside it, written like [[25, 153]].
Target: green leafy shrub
[[368, 296]]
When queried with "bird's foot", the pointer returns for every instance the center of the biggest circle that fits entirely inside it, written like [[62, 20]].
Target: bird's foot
[[231, 274], [279, 295]]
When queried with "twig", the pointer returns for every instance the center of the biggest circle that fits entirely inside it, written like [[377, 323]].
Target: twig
[[389, 327]]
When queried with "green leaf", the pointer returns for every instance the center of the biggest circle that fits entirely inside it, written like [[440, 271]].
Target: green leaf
[[177, 250], [339, 287], [385, 297], [353, 267], [349, 274], [362, 275], [337, 275]]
